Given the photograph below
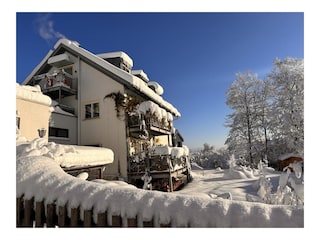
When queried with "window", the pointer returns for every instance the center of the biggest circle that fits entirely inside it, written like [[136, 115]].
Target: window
[[58, 132], [92, 110]]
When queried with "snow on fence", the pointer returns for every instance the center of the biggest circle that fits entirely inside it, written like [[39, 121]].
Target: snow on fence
[[47, 196]]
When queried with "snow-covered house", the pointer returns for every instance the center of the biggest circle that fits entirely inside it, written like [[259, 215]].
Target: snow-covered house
[[99, 100], [32, 112]]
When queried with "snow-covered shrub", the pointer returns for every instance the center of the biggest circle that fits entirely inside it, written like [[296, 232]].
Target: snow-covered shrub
[[265, 187], [290, 189]]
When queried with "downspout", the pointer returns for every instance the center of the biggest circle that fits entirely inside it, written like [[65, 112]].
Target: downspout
[[79, 102]]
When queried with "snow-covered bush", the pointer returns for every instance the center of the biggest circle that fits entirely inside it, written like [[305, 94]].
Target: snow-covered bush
[[290, 189]]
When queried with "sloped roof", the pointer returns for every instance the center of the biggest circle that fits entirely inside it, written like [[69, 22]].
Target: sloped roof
[[120, 75]]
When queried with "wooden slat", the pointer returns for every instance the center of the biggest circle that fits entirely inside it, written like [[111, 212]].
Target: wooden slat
[[28, 212], [87, 218], [102, 219], [165, 225], [132, 222], [19, 212], [116, 221], [62, 216], [40, 214], [51, 215], [74, 221], [148, 223]]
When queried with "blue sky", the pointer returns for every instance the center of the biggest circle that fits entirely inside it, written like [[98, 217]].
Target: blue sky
[[194, 56]]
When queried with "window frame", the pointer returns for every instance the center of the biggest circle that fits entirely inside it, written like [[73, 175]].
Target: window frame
[[91, 110], [57, 132]]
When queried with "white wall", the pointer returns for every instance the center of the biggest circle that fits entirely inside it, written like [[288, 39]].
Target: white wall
[[33, 116], [107, 130], [67, 122]]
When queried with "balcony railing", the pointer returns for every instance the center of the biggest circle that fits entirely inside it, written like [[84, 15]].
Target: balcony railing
[[57, 84], [140, 123]]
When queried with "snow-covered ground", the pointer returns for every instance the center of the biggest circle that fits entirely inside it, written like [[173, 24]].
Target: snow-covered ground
[[39, 175], [211, 183]]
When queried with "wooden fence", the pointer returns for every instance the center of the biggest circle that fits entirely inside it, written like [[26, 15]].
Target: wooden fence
[[37, 214]]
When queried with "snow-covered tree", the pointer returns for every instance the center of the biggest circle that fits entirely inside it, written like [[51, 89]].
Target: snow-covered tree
[[242, 98], [267, 118], [263, 113], [287, 78]]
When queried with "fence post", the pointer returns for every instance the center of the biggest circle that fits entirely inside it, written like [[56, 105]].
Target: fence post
[[40, 214], [116, 221], [74, 217], [51, 215], [28, 212], [132, 222], [102, 219], [62, 216], [87, 218], [149, 223], [19, 212]]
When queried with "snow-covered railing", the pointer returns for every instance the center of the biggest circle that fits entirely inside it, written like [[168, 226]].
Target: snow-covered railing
[[47, 196]]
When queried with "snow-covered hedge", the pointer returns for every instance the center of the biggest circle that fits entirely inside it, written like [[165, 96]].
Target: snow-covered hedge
[[41, 177]]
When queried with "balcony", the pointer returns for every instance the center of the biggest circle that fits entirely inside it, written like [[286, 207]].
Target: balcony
[[139, 124], [168, 167], [58, 85]]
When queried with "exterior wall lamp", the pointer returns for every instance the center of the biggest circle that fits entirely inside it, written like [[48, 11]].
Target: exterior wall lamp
[[42, 132]]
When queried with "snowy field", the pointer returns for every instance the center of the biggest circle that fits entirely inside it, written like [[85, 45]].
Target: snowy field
[[206, 201], [214, 182]]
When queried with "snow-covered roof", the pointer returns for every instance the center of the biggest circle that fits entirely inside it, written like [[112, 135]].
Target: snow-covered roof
[[65, 155], [153, 108], [126, 78], [156, 87], [57, 109], [142, 74], [175, 152], [32, 94], [119, 54]]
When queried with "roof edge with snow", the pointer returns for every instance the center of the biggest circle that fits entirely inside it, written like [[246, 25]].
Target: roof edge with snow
[[125, 77], [32, 94]]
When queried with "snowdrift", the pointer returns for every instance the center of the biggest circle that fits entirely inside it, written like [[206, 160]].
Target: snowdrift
[[41, 177]]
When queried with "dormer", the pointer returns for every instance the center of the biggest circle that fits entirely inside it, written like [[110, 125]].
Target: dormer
[[118, 59]]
